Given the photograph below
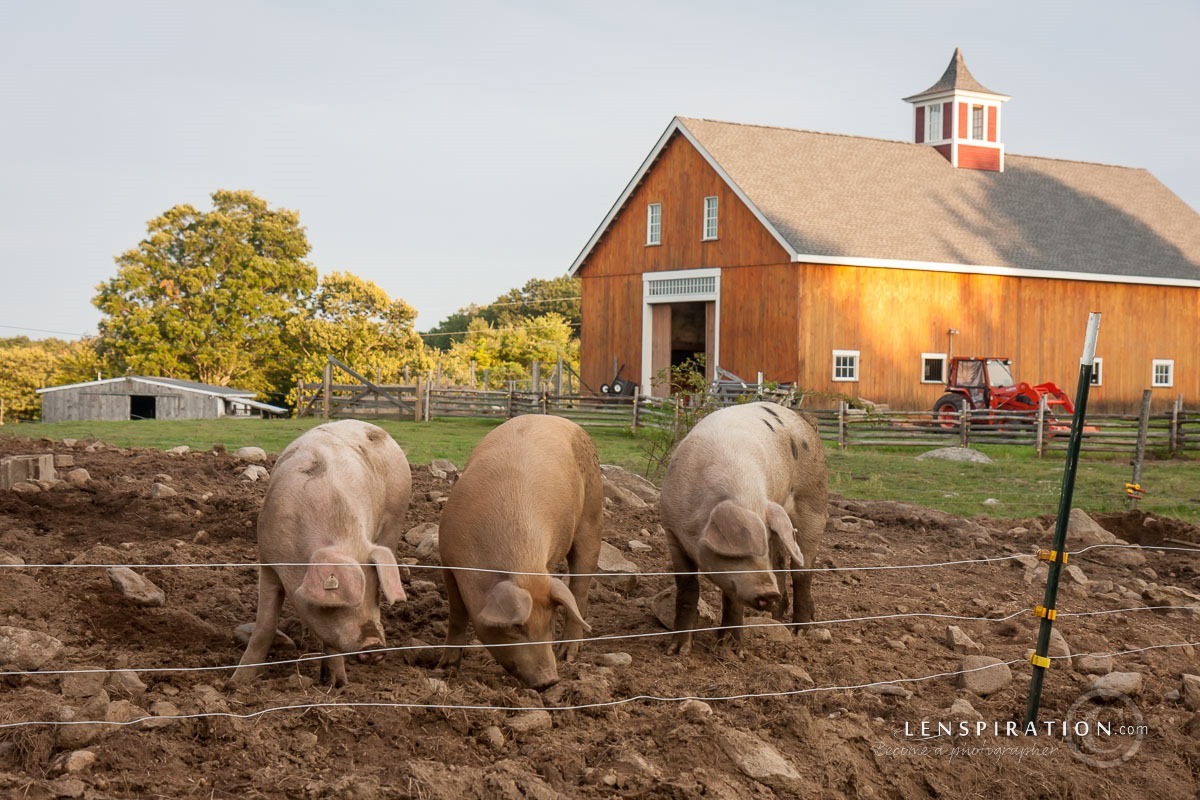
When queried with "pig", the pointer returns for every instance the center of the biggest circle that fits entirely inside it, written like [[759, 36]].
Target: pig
[[746, 489], [529, 497], [336, 502]]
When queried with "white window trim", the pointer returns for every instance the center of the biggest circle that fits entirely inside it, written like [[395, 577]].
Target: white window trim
[[982, 137], [929, 357], [648, 319], [1097, 371], [932, 134], [704, 237], [852, 353], [1169, 363], [653, 230]]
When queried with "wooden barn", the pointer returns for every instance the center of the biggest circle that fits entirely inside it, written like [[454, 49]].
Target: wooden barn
[[141, 397], [858, 266]]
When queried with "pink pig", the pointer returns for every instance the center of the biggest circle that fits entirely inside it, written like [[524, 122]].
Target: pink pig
[[337, 500]]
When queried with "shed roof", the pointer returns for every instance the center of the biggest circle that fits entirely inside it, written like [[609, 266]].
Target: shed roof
[[176, 383], [830, 198]]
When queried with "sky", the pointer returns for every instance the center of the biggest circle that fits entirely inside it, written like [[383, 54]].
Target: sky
[[452, 151]]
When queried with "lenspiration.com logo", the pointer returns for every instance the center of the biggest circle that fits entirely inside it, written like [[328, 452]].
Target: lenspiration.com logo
[[1105, 729]]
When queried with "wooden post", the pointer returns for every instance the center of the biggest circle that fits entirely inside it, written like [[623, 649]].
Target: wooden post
[[964, 426], [472, 373], [439, 372], [428, 400], [636, 389], [325, 401], [1139, 452], [558, 369], [406, 374], [1041, 427], [487, 379], [536, 376], [758, 388], [511, 391], [842, 405], [419, 403], [1175, 439]]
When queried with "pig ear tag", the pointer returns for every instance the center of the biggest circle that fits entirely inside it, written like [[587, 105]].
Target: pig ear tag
[[331, 582]]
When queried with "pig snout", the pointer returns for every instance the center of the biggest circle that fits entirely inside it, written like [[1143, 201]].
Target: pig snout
[[370, 638], [766, 600]]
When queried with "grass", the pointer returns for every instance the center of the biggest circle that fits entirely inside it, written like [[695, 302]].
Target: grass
[[1023, 485]]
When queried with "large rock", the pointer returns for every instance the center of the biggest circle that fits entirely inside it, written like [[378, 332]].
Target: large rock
[[758, 760], [252, 454], [630, 482], [530, 721], [1190, 692], [419, 533], [958, 641], [1082, 530], [24, 650], [983, 675], [1115, 684], [663, 606], [19, 469], [613, 562], [78, 477], [956, 454], [1092, 664], [622, 496], [136, 588], [442, 468], [256, 472], [1176, 596]]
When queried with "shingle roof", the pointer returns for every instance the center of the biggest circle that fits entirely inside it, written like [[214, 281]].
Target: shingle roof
[[191, 386], [956, 76], [859, 198]]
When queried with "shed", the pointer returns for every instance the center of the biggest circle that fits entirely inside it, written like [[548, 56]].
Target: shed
[[143, 397]]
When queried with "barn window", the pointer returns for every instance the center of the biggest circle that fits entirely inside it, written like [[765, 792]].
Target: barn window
[[977, 122], [933, 367], [1097, 371], [845, 365], [710, 218], [1163, 372], [654, 223], [933, 123]]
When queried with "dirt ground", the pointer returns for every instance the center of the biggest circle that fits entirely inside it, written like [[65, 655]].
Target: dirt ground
[[771, 725]]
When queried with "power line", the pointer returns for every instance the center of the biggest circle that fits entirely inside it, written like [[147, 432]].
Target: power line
[[42, 330]]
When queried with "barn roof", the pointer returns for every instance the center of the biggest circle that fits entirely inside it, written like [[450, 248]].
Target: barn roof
[[830, 198], [176, 383]]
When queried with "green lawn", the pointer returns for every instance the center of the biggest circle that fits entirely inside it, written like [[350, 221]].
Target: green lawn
[[1024, 485]]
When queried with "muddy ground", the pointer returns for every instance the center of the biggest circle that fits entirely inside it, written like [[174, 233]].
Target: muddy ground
[[627, 740]]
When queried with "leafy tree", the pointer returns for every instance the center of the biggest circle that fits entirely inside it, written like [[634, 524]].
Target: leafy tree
[[512, 309], [207, 295], [509, 352], [355, 321], [25, 367]]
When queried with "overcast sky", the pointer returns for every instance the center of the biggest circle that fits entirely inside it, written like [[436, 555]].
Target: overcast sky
[[452, 151]]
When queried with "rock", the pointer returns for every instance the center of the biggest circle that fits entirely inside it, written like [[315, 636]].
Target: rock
[[1115, 684], [165, 714], [24, 650], [243, 632], [419, 533], [1190, 692], [25, 487], [63, 460], [613, 660], [822, 635], [9, 559], [123, 711], [530, 721], [797, 674], [696, 709], [958, 641], [983, 675], [663, 607], [493, 737], [991, 501], [256, 472], [435, 687], [77, 477], [639, 547], [1083, 530], [1075, 574], [965, 454], [613, 562], [962, 709], [126, 682], [72, 762], [201, 537], [181, 450], [422, 587], [82, 684], [1058, 645], [1192, 728], [88, 723], [427, 550], [209, 699], [1157, 595], [631, 482], [136, 588], [159, 490], [758, 760], [253, 454], [846, 524], [442, 468], [629, 762], [68, 786], [890, 690], [621, 496], [771, 628], [420, 653]]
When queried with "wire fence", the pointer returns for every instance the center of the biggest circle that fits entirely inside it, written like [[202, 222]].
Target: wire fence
[[994, 618]]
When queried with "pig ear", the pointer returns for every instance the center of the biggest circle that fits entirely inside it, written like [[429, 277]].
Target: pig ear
[[506, 605], [389, 574], [333, 580], [561, 595], [727, 533], [784, 532]]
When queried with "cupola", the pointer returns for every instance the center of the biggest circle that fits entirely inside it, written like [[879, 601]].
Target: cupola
[[960, 119]]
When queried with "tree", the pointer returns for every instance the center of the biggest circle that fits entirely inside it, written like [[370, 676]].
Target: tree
[[207, 296], [25, 367], [355, 321], [509, 352], [512, 309]]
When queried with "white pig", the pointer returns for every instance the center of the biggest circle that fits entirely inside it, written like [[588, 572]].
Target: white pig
[[746, 489], [336, 501], [529, 497]]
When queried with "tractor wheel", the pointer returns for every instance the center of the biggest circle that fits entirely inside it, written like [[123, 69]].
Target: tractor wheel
[[947, 411]]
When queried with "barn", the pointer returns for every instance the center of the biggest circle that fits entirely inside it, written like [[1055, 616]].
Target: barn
[[142, 397], [857, 267]]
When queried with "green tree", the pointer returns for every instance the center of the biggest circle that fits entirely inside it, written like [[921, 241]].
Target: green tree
[[509, 352], [355, 321], [512, 309], [207, 295]]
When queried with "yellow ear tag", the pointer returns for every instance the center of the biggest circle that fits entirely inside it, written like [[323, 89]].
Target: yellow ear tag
[[331, 582]]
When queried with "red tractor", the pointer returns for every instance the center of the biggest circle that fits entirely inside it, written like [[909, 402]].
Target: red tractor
[[981, 384]]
